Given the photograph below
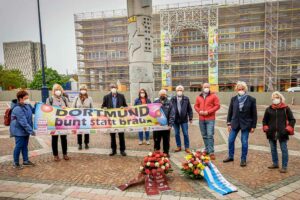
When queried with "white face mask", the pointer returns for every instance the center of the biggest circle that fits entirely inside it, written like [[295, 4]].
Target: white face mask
[[142, 94], [27, 101], [206, 90], [241, 92], [276, 101], [83, 91], [57, 92], [113, 90], [179, 93]]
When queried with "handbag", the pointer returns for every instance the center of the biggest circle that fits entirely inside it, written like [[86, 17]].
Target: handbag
[[288, 127]]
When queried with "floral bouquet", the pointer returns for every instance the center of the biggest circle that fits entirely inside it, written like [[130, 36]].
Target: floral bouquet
[[153, 170], [194, 164], [155, 162]]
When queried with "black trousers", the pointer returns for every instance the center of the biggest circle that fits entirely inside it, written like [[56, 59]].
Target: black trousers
[[114, 143], [86, 138], [64, 144], [165, 135]]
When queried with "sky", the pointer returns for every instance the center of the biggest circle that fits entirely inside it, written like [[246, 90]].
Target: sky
[[19, 21]]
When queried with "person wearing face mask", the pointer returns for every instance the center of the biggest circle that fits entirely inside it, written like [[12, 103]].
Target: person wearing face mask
[[115, 100], [170, 114], [207, 104], [242, 116], [57, 99], [143, 99], [83, 101], [183, 115], [21, 127], [278, 116]]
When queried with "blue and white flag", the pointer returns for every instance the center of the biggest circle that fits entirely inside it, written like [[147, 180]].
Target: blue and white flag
[[216, 181]]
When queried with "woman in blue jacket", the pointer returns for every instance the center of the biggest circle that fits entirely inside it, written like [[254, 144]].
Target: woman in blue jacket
[[21, 127], [143, 99]]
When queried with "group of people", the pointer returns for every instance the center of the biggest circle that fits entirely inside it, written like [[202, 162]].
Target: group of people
[[278, 121]]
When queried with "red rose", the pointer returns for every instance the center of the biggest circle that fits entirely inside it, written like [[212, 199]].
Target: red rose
[[147, 171], [159, 170], [153, 171], [195, 163], [196, 171], [161, 162], [152, 164], [157, 155]]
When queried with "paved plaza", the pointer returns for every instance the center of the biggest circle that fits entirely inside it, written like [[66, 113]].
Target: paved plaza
[[92, 174]]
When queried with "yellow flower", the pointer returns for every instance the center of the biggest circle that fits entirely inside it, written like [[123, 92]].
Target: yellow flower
[[188, 157]]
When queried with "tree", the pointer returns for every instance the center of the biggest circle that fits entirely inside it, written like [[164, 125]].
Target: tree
[[52, 77], [10, 79]]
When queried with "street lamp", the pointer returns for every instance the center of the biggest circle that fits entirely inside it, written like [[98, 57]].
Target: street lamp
[[45, 92]]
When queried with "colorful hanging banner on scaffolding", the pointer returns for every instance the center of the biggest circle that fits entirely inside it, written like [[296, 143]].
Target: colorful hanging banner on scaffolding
[[54, 120], [213, 68], [166, 59]]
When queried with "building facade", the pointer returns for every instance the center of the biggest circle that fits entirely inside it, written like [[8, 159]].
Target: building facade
[[24, 56], [194, 43]]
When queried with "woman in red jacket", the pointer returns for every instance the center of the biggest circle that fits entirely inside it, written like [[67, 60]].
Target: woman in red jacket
[[207, 104]]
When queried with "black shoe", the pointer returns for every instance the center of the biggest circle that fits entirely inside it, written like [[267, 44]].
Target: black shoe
[[86, 146], [112, 153], [80, 147], [123, 153], [28, 164], [17, 166], [243, 163], [228, 160], [273, 167]]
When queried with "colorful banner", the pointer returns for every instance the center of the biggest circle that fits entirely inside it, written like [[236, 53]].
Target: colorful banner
[[213, 68], [216, 181], [165, 48], [54, 120]]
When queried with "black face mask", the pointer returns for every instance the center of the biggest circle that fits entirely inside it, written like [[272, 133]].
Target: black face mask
[[163, 98]]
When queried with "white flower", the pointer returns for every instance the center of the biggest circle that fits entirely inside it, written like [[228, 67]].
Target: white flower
[[150, 154], [202, 173], [190, 165], [202, 157], [141, 168], [163, 167], [166, 159], [167, 165], [148, 164], [156, 164], [162, 158]]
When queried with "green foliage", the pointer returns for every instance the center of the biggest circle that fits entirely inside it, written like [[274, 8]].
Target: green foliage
[[52, 77], [10, 79]]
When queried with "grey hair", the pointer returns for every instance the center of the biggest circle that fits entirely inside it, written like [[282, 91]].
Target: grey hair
[[276, 93], [241, 83], [163, 91], [113, 85], [180, 86]]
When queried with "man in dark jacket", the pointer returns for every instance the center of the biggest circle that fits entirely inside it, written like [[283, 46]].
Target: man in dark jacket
[[183, 115], [115, 100], [165, 134], [242, 115]]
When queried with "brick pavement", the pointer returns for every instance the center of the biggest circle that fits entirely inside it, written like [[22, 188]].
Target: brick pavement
[[91, 174]]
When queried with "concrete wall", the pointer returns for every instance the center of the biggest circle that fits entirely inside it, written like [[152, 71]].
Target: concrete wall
[[261, 98]]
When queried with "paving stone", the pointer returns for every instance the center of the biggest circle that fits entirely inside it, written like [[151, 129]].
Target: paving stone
[[7, 194]]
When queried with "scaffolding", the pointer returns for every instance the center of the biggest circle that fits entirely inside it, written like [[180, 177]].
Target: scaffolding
[[259, 42]]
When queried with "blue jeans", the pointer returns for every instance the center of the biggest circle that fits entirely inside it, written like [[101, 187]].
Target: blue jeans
[[284, 150], [244, 141], [21, 145], [141, 135], [184, 128], [207, 129]]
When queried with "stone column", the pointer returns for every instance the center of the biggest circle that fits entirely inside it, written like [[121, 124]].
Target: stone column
[[140, 47]]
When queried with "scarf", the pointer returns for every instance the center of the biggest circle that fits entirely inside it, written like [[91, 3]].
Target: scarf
[[242, 99], [278, 106]]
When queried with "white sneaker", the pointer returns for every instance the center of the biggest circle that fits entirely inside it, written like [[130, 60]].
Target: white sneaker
[[148, 142], [140, 142]]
